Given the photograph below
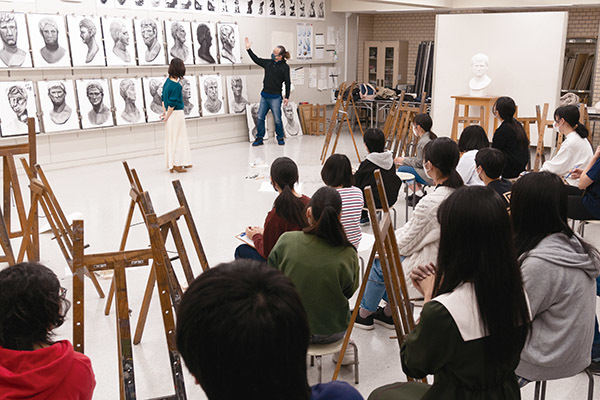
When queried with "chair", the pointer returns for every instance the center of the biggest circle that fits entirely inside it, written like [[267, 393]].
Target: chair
[[540, 387], [379, 212], [406, 177], [319, 350]]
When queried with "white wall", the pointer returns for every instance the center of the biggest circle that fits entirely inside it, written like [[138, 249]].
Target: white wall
[[103, 144], [525, 51]]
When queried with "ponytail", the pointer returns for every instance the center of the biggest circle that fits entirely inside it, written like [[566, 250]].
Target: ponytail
[[454, 180], [284, 173], [432, 135], [326, 206], [571, 115], [283, 52], [443, 154]]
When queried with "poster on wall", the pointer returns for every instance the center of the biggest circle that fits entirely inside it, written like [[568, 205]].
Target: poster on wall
[[229, 43], [205, 46], [252, 8], [301, 4], [179, 41], [149, 43], [59, 107], [85, 38], [271, 10], [185, 5], [153, 97], [321, 9], [211, 91], [93, 97], [20, 98], [290, 119], [129, 101], [15, 41], [281, 8], [304, 41], [191, 107], [237, 94], [48, 40], [311, 9], [292, 8], [118, 41], [206, 6]]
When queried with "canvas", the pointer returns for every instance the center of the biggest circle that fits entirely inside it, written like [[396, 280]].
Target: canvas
[[237, 94], [189, 85], [21, 105], [291, 120], [205, 45], [85, 38], [15, 41], [149, 41], [93, 97], [211, 92], [129, 101], [48, 40], [118, 41], [152, 97], [229, 43], [59, 106], [179, 41]]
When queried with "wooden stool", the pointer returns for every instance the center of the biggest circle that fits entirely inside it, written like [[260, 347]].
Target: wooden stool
[[485, 102]]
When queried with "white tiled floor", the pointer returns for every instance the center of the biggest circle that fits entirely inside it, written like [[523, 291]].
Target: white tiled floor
[[223, 192]]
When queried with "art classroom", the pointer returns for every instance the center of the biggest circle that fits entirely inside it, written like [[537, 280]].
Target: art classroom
[[299, 199]]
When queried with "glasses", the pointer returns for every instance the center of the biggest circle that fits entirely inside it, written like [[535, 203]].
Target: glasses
[[62, 292]]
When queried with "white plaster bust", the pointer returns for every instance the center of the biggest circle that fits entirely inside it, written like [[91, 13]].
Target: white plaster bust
[[480, 81]]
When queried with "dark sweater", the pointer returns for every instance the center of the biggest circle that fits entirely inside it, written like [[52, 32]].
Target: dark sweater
[[364, 177], [502, 187], [276, 73], [517, 156]]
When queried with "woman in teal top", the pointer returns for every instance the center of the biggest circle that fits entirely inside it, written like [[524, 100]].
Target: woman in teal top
[[475, 318], [177, 146], [322, 264]]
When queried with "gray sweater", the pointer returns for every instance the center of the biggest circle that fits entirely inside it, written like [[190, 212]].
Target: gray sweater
[[559, 279], [417, 161]]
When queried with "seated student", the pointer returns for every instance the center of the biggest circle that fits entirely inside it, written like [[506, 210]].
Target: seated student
[[242, 332], [378, 158], [584, 200], [414, 165], [490, 163], [559, 275], [32, 364], [575, 151], [323, 265], [337, 173], [472, 139], [287, 214], [418, 240], [475, 319], [510, 138]]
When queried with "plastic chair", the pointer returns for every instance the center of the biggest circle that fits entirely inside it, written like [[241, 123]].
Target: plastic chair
[[319, 350], [407, 177]]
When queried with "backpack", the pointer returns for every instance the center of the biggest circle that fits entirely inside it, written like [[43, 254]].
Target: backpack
[[367, 91]]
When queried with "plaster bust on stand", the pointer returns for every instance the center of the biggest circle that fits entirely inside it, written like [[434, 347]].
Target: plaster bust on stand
[[480, 81]]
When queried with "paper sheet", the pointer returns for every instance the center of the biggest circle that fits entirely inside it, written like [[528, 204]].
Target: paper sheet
[[332, 78], [299, 76], [323, 72], [319, 39], [322, 84], [312, 78], [244, 238], [331, 35], [319, 53]]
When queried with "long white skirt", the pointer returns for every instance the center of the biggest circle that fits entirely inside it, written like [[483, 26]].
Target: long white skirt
[[177, 145]]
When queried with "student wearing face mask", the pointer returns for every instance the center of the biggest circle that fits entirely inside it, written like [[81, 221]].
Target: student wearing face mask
[[422, 129], [575, 151], [277, 72]]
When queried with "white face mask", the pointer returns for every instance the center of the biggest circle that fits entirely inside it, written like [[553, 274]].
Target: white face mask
[[426, 172], [555, 126], [414, 129]]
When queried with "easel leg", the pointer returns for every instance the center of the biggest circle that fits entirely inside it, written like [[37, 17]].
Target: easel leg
[[183, 258], [139, 329], [78, 288], [5, 242], [126, 375]]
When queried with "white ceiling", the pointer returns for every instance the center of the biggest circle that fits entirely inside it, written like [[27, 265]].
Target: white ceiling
[[449, 5]]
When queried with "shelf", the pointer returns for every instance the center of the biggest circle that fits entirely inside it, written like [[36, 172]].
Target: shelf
[[581, 40], [574, 91]]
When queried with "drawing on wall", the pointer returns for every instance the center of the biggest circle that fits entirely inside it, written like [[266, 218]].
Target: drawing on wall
[[21, 101], [223, 6], [229, 43], [304, 41], [15, 41], [153, 97], [311, 12], [290, 119], [119, 43], [237, 94], [189, 85], [252, 118], [149, 34], [94, 101], [212, 95], [170, 4], [302, 8], [206, 50], [272, 9], [321, 9], [291, 11], [85, 38], [280, 8], [184, 4], [155, 4], [129, 101], [236, 7], [59, 107], [48, 40], [253, 7], [179, 39]]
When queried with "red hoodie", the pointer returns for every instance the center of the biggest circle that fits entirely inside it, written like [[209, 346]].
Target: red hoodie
[[51, 373]]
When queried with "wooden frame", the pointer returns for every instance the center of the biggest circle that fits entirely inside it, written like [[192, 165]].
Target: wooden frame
[[401, 129]]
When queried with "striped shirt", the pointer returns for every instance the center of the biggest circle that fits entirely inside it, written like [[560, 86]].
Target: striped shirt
[[352, 204]]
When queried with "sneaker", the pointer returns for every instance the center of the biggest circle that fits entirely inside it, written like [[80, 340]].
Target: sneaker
[[380, 318], [280, 142], [365, 221], [257, 142], [364, 323], [348, 355]]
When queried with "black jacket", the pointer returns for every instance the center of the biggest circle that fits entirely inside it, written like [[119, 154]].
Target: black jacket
[[276, 73], [364, 177], [517, 156]]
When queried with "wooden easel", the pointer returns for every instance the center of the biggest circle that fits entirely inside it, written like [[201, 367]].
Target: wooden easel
[[339, 115], [313, 118], [402, 132], [486, 102], [118, 262], [386, 248], [541, 122], [42, 195]]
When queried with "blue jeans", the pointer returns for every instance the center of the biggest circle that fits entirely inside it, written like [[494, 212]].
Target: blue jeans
[[375, 290], [411, 170], [596, 345], [275, 105], [249, 252]]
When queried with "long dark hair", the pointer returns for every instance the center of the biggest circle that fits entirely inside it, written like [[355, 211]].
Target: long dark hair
[[471, 252], [284, 172], [571, 116], [443, 154], [538, 208], [337, 171], [326, 206], [425, 122], [506, 108], [473, 137]]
